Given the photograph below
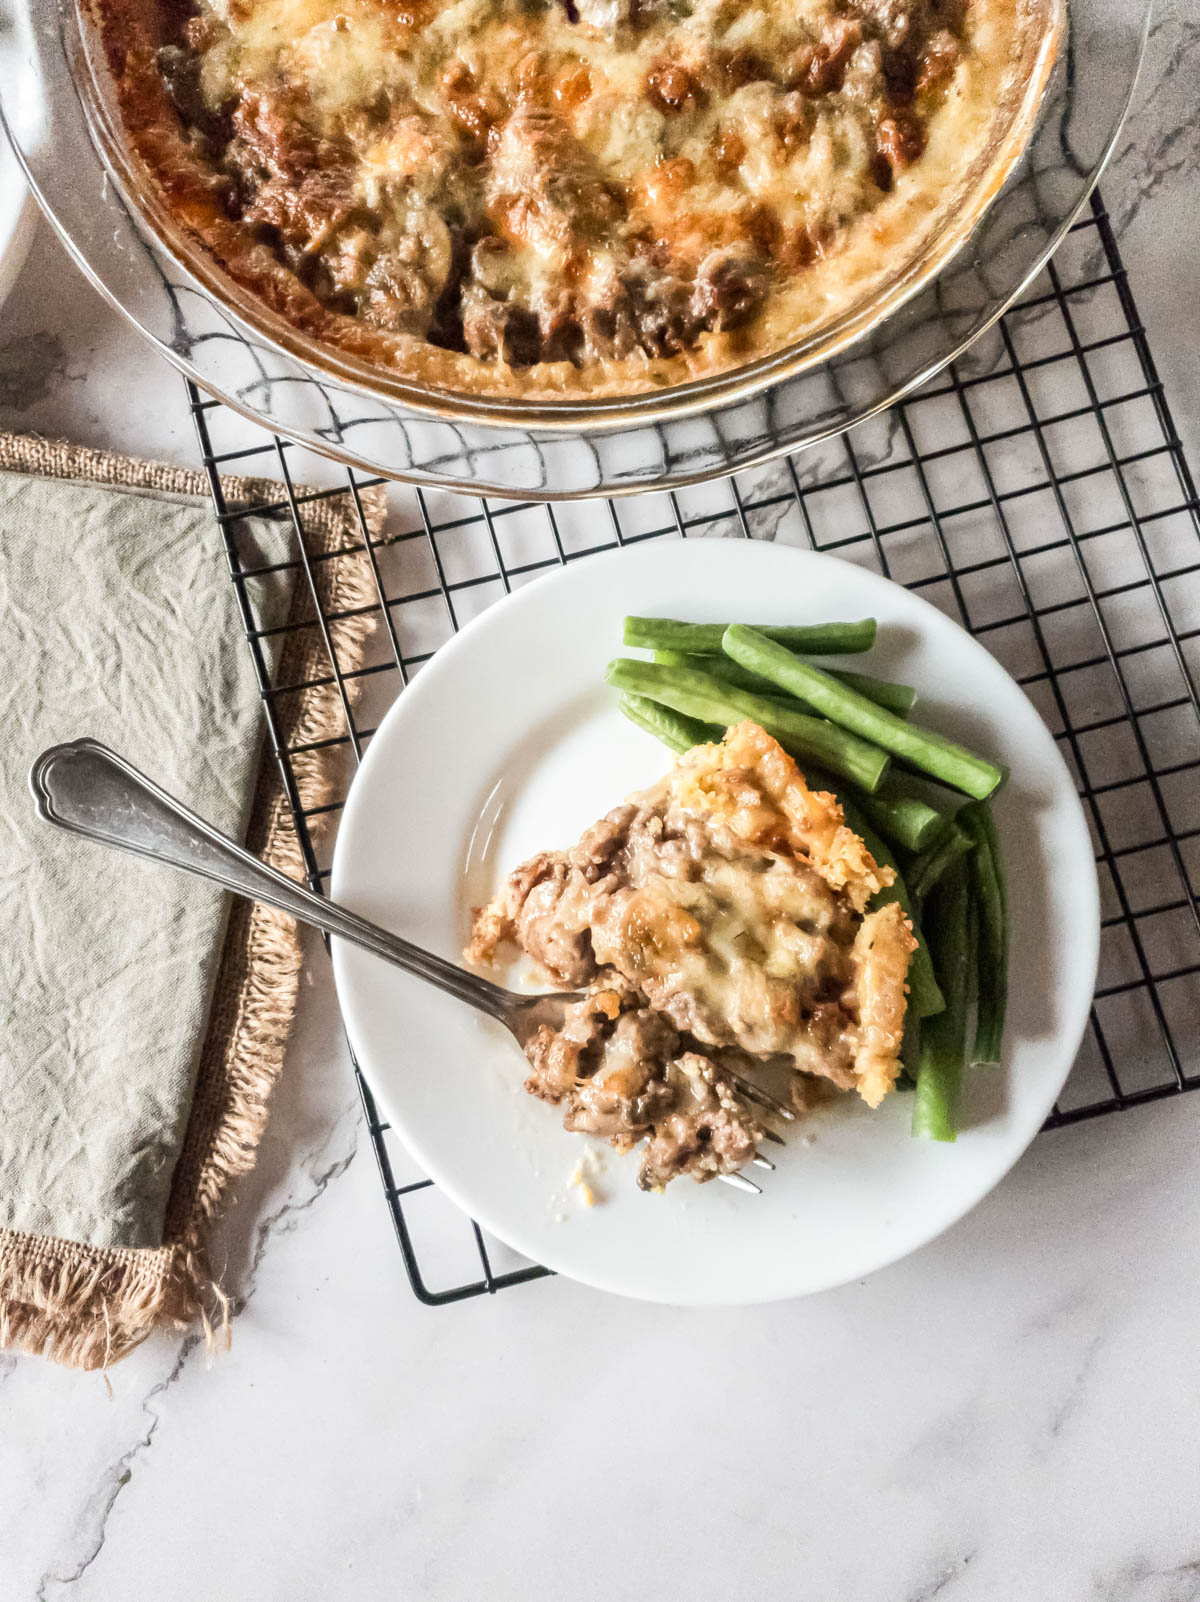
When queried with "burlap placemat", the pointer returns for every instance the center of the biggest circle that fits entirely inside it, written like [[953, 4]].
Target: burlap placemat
[[87, 1306]]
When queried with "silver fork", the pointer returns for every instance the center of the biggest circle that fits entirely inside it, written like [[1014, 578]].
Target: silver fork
[[86, 788]]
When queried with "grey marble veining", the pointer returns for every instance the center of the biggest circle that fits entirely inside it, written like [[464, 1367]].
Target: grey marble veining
[[1010, 1414]]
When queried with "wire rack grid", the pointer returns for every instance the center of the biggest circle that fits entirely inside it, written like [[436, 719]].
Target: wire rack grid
[[1037, 492]]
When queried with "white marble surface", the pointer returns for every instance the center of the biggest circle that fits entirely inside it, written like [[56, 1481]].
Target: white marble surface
[[1010, 1414]]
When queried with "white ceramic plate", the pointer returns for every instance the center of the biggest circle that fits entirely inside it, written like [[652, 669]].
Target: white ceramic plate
[[509, 742], [18, 213]]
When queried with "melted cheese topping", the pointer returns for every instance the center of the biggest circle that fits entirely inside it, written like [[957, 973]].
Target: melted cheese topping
[[753, 944], [762, 929]]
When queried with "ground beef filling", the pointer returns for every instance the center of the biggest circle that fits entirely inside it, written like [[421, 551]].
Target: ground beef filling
[[620, 1071], [499, 214]]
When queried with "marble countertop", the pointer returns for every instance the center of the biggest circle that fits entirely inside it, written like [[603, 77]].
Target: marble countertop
[[1009, 1414]]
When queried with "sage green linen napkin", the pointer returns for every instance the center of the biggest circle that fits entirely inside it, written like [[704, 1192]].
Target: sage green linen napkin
[[118, 620]]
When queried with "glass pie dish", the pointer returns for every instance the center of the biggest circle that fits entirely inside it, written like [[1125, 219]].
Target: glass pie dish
[[56, 113]]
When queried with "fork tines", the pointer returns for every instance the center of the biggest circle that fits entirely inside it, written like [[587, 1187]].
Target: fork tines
[[777, 1109], [763, 1098], [740, 1182]]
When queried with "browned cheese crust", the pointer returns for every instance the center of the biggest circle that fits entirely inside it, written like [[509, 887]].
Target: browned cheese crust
[[554, 198], [719, 922]]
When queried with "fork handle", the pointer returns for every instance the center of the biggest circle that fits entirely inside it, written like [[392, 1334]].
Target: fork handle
[[88, 789]]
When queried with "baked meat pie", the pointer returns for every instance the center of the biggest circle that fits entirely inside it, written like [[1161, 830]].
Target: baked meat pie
[[561, 198], [719, 923]]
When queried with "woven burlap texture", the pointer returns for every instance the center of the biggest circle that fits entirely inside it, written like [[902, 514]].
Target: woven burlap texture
[[87, 1307]]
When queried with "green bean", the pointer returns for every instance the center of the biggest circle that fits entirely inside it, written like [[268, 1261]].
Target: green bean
[[672, 728], [927, 869], [909, 811], [943, 1038], [973, 923], [927, 818], [699, 695], [987, 881], [906, 819], [910, 1051], [924, 995], [948, 802], [818, 639], [932, 753], [720, 667], [897, 698]]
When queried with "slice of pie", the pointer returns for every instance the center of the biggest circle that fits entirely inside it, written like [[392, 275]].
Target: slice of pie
[[719, 924]]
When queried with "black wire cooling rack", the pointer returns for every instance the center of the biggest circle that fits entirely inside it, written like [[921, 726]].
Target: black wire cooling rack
[[1037, 492]]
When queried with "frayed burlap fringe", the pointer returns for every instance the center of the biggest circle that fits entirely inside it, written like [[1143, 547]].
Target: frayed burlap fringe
[[87, 1307]]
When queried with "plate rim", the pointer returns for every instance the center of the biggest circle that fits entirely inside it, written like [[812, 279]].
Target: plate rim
[[440, 664]]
